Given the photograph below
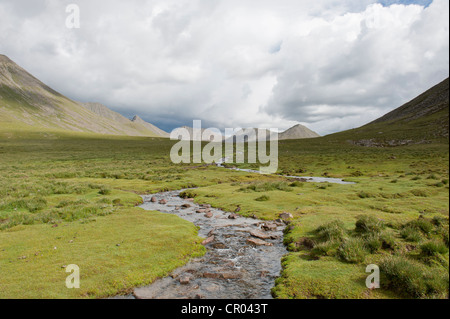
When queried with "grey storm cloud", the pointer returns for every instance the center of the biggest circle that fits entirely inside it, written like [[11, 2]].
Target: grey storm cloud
[[331, 65]]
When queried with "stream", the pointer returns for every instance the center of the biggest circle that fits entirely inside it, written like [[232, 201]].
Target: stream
[[310, 179], [243, 256], [242, 261]]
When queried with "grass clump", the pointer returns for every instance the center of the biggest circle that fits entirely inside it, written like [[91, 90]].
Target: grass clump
[[266, 187], [104, 191], [263, 198], [188, 194], [411, 234], [413, 278], [296, 184], [328, 248], [353, 250], [421, 224], [334, 230], [368, 224], [433, 248]]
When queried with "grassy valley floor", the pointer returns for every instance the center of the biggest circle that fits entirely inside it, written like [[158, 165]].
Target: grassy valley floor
[[71, 199]]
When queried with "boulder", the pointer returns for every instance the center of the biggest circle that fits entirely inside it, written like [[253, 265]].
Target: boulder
[[208, 240], [163, 202], [219, 246], [285, 216], [154, 199], [258, 242], [212, 275], [260, 234], [184, 280], [231, 275], [209, 215], [269, 226]]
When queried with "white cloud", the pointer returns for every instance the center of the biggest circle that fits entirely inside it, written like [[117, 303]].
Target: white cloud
[[331, 65]]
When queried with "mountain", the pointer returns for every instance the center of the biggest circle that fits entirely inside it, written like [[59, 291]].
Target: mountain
[[297, 132], [432, 101], [28, 104], [137, 121], [421, 120]]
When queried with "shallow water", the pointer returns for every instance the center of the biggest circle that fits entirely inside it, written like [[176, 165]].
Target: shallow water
[[231, 268], [311, 179]]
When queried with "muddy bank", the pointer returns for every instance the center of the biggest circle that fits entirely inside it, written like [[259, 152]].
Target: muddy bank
[[243, 256]]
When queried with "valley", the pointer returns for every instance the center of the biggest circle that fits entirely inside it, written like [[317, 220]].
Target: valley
[[71, 192]]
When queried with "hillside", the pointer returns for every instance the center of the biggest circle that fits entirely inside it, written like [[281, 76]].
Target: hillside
[[28, 104], [420, 121], [297, 132]]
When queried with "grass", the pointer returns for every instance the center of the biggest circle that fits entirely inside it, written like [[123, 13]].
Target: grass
[[114, 253], [88, 185]]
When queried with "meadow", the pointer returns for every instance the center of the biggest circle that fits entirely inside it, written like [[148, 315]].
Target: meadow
[[70, 198]]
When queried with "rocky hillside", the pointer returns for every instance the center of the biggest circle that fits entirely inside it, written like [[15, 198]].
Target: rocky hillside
[[420, 121], [28, 104], [432, 101]]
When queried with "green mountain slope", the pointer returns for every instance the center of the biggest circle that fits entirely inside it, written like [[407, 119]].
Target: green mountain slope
[[420, 121], [28, 104]]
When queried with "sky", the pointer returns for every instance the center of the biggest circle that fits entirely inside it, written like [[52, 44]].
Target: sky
[[331, 65]]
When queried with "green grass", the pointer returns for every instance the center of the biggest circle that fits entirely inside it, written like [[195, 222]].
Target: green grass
[[88, 185], [115, 253]]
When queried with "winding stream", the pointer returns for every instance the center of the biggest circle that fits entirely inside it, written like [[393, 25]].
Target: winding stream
[[242, 260], [243, 256]]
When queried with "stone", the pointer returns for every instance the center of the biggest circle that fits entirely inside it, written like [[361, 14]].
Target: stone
[[259, 234], [231, 275], [211, 275], [285, 216], [219, 246], [201, 211], [154, 199], [211, 232], [163, 202], [233, 216], [184, 206], [269, 226], [258, 242], [184, 280], [208, 240], [209, 215]]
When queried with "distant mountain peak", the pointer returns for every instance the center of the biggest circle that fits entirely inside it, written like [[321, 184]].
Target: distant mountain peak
[[298, 132], [137, 119], [4, 58]]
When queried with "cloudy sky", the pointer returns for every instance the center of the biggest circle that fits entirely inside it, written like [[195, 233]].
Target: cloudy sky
[[328, 64]]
